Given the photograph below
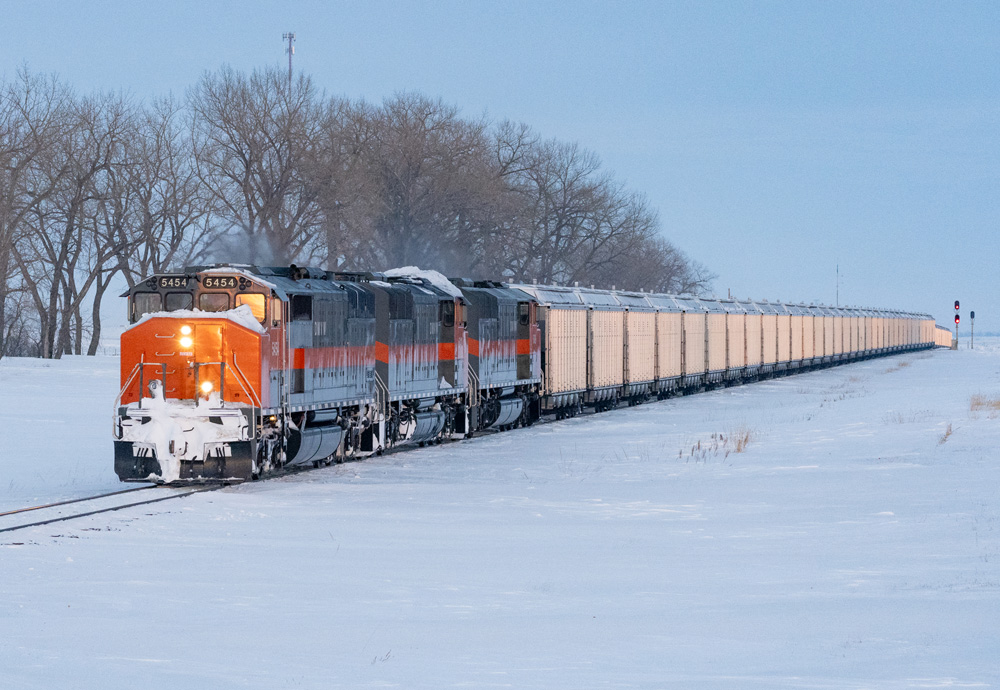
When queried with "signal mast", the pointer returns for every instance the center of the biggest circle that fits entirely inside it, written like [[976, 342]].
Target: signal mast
[[957, 319]]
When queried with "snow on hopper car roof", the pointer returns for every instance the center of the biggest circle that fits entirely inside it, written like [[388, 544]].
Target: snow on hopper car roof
[[667, 303], [712, 305], [635, 301], [598, 299], [768, 307], [689, 303], [732, 306], [552, 295]]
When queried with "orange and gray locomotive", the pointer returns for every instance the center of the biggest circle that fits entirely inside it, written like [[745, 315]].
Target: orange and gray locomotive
[[231, 372]]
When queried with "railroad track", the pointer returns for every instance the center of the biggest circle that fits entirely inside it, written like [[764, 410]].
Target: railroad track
[[72, 509]]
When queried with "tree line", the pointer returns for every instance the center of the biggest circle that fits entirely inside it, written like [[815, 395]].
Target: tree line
[[257, 168]]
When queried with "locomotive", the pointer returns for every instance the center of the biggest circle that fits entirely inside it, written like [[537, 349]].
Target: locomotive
[[230, 372]]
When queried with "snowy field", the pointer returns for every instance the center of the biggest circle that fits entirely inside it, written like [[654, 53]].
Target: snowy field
[[854, 543]]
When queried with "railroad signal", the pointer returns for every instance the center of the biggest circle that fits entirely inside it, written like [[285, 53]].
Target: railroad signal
[[972, 315], [954, 342]]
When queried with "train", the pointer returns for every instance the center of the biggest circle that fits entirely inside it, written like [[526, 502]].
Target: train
[[232, 372]]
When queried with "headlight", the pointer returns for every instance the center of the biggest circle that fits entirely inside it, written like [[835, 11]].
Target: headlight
[[206, 387], [185, 330], [186, 342]]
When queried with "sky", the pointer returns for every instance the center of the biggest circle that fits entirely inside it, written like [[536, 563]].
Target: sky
[[779, 142]]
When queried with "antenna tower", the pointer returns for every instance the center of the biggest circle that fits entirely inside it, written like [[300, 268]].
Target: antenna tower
[[290, 37]]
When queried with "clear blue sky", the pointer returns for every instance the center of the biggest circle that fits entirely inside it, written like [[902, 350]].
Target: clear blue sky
[[775, 139]]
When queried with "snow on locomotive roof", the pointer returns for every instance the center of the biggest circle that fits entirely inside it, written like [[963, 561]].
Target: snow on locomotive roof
[[241, 315], [433, 277], [246, 271]]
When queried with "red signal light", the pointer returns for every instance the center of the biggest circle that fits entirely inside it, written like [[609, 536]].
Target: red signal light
[[956, 319], [956, 305]]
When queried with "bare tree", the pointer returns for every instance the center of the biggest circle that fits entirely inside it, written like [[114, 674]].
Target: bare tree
[[426, 172], [561, 197], [172, 219], [655, 265], [251, 134], [254, 168], [32, 121], [334, 168], [63, 254]]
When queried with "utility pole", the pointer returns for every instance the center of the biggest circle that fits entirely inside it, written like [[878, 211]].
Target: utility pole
[[290, 37], [838, 285]]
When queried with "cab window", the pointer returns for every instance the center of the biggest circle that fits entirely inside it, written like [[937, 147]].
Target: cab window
[[275, 312], [144, 303], [255, 302], [179, 300], [213, 301], [302, 307], [524, 313], [447, 316]]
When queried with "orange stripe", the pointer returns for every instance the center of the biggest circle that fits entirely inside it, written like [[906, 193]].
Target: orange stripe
[[382, 352], [473, 347], [446, 351], [524, 347], [326, 357]]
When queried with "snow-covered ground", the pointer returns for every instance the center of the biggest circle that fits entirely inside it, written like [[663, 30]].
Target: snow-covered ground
[[855, 543], [56, 418]]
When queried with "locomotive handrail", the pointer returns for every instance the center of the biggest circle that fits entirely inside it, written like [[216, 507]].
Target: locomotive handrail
[[222, 389], [474, 399], [381, 395], [222, 379], [248, 389], [137, 369], [253, 398]]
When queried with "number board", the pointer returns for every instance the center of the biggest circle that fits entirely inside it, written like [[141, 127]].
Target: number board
[[218, 282], [173, 282]]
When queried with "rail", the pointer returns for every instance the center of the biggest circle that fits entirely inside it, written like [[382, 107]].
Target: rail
[[126, 503]]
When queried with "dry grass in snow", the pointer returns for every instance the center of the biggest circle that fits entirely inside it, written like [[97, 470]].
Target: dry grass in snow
[[979, 402]]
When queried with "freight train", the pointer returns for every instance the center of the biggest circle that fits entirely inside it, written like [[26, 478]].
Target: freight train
[[231, 372]]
